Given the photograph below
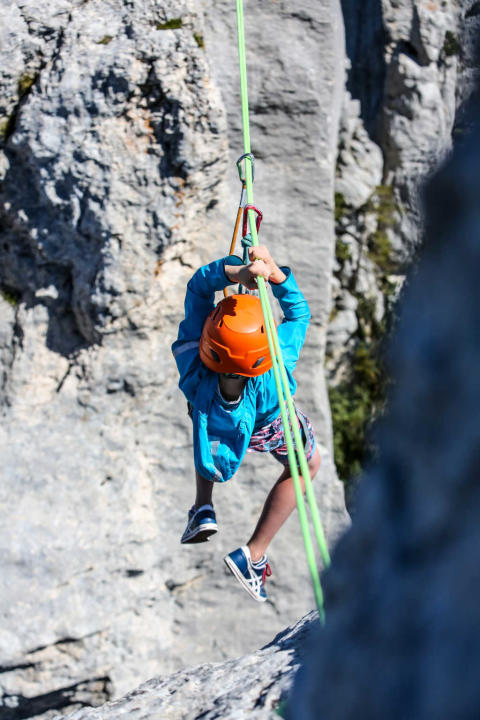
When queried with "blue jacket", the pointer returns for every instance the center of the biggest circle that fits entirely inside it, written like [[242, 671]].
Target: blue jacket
[[220, 434]]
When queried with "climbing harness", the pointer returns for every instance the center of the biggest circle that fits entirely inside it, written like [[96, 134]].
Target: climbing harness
[[252, 218]]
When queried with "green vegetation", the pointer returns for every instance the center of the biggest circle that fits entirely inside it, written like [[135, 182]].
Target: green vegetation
[[6, 127], [342, 251], [360, 397], [333, 315], [368, 326], [173, 24], [350, 414], [12, 297], [199, 39], [358, 400], [24, 83], [354, 404], [380, 250], [451, 45], [368, 373], [105, 40], [340, 206], [382, 203]]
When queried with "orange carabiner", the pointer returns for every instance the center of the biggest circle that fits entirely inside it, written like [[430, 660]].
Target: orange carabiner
[[235, 229]]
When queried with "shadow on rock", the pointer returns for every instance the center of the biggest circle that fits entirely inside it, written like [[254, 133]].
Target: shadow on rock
[[365, 40]]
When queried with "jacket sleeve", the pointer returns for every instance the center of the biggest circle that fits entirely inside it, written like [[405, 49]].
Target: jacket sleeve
[[199, 302], [293, 328]]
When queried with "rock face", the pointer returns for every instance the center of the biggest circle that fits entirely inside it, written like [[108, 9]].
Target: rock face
[[412, 69], [255, 685], [470, 67], [405, 61], [96, 103], [119, 132], [402, 594], [121, 122]]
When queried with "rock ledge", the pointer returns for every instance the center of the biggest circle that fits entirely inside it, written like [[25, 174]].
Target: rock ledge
[[255, 684]]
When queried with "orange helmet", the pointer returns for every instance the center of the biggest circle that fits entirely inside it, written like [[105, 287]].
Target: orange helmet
[[234, 337]]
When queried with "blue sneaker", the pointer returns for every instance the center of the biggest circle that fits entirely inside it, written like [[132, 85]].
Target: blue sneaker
[[200, 525], [251, 575]]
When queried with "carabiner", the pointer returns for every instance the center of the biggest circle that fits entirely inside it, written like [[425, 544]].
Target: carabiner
[[239, 166], [259, 218]]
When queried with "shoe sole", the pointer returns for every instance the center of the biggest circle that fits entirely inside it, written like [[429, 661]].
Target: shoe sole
[[200, 534], [235, 571]]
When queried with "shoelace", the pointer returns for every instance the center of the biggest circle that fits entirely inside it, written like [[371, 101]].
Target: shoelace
[[266, 572]]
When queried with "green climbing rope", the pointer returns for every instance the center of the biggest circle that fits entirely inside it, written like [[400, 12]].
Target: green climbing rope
[[287, 408]]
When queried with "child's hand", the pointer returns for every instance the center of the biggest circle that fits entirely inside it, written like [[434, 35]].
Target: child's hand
[[261, 265], [262, 261], [244, 275]]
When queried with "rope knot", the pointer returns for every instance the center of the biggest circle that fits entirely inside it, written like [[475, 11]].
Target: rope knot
[[247, 242]]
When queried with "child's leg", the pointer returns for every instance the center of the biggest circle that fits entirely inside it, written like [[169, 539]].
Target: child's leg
[[204, 491], [280, 503], [201, 520]]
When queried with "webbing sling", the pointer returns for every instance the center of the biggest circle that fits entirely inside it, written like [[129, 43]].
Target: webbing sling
[[287, 408]]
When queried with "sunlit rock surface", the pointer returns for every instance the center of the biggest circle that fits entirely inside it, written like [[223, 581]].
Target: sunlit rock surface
[[119, 133]]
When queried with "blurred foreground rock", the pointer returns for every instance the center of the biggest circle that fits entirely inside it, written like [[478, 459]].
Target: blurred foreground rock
[[403, 593], [255, 686]]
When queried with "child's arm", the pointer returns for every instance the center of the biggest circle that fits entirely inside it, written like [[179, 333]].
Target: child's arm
[[292, 330]]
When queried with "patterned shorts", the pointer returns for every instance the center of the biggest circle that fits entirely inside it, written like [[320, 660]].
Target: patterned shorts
[[271, 438]]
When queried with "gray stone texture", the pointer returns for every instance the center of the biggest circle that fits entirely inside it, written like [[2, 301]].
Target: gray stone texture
[[420, 99], [117, 180], [360, 160], [402, 606], [402, 596], [411, 69], [118, 141], [470, 58], [255, 686]]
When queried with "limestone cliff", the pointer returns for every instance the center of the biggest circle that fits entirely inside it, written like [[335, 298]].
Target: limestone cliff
[[402, 593], [120, 128], [411, 72], [119, 132]]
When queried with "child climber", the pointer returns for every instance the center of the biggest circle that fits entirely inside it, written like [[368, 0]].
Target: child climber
[[226, 375]]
